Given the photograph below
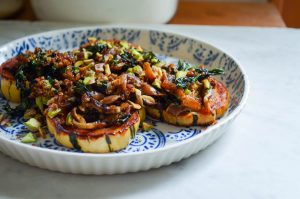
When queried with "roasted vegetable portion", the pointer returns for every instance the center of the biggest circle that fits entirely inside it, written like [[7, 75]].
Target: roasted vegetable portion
[[94, 98]]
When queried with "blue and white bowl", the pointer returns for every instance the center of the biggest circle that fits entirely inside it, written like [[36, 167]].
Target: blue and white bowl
[[160, 146]]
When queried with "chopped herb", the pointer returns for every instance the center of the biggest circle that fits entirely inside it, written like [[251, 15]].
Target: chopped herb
[[205, 73], [183, 66], [150, 56], [33, 64], [80, 88], [20, 82], [97, 48], [102, 87], [184, 82], [20, 77], [166, 100], [62, 70], [50, 71], [18, 110], [129, 59], [113, 62], [50, 79]]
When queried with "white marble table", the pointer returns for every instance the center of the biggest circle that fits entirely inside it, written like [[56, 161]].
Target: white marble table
[[259, 156]]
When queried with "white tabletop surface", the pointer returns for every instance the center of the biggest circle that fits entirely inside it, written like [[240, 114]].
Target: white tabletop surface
[[259, 156]]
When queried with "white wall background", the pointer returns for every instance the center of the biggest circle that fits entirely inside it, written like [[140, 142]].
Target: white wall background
[[229, 0]]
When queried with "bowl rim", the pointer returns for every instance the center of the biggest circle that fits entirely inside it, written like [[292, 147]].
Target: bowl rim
[[209, 129]]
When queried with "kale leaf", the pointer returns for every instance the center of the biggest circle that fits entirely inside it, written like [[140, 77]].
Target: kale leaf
[[183, 66], [149, 55], [184, 82], [18, 110], [80, 88], [97, 48]]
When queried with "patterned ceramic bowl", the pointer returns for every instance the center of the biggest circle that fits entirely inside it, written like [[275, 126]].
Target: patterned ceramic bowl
[[160, 146]]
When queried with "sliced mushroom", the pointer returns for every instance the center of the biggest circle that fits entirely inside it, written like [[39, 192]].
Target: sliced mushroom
[[91, 125], [97, 95], [125, 108], [123, 82], [85, 98], [139, 99], [77, 116], [134, 105], [110, 99], [81, 108], [148, 100], [132, 79], [113, 109], [149, 90]]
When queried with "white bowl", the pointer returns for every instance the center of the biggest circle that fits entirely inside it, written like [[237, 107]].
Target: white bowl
[[106, 11], [162, 145]]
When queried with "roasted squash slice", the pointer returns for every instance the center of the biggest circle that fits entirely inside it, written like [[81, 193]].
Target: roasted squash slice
[[218, 103], [10, 90], [102, 140], [8, 82]]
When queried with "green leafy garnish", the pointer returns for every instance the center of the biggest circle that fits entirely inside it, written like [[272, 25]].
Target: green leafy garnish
[[102, 87], [80, 88], [18, 110], [150, 56], [20, 77], [97, 48], [183, 66], [205, 73], [129, 59], [184, 82]]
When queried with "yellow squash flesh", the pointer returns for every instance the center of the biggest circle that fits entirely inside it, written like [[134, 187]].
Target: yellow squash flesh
[[97, 141], [193, 118], [10, 90]]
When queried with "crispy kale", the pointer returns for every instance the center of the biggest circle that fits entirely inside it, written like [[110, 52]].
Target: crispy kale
[[184, 82]]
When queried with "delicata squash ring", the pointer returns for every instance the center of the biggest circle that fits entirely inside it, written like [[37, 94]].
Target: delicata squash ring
[[110, 83], [96, 141], [8, 83], [10, 90], [181, 116]]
